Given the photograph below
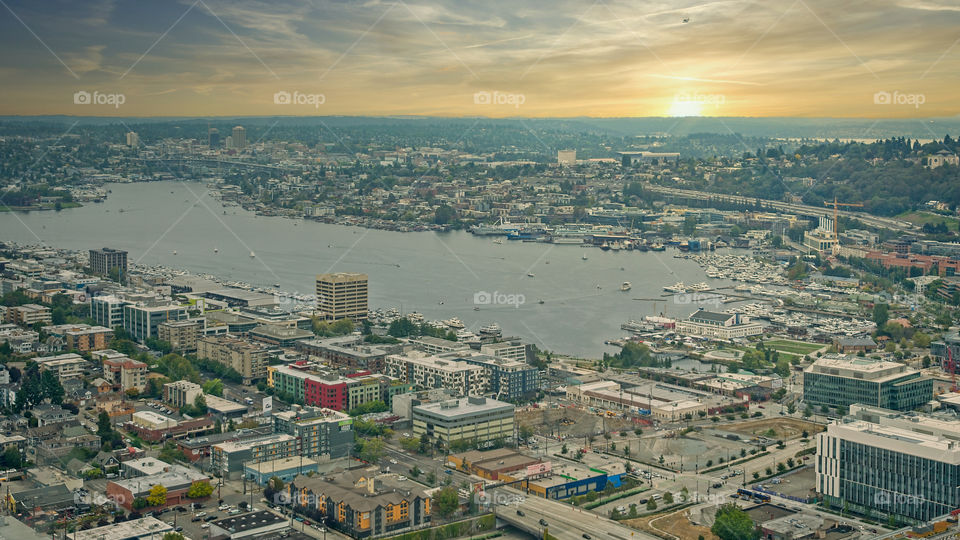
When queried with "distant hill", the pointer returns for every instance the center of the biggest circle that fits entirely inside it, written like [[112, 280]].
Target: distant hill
[[815, 128]]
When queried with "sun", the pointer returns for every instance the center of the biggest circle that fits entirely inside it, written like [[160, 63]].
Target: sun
[[680, 107]]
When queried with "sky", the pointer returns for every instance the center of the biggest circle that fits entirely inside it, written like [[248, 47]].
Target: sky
[[495, 58]]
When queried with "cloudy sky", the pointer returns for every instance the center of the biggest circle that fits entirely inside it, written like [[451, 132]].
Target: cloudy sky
[[809, 58]]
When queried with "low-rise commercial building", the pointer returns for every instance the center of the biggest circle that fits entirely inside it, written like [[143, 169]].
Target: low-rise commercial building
[[147, 528], [180, 393], [724, 326], [176, 479], [261, 523], [475, 419], [285, 469]]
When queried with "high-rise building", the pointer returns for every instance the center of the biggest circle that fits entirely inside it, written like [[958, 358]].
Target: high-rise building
[[880, 461], [133, 140], [103, 260], [567, 157], [342, 296], [239, 138], [213, 138], [840, 381]]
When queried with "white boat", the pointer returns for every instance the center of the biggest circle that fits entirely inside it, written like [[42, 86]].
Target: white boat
[[216, 250], [498, 241], [626, 286], [174, 252], [531, 274], [454, 322], [700, 287], [677, 287], [584, 256], [252, 254], [491, 330]]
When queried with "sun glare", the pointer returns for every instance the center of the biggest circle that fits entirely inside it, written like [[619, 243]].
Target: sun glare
[[685, 108]]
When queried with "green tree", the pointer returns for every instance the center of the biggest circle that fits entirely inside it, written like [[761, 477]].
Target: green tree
[[651, 504], [371, 450], [668, 498], [51, 388], [732, 523], [881, 314], [214, 387], [448, 501]]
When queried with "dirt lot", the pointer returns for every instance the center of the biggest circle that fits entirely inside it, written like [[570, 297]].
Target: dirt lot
[[785, 428], [675, 523], [585, 423]]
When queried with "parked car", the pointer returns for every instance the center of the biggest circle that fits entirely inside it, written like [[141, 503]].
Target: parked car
[[543, 522], [520, 513]]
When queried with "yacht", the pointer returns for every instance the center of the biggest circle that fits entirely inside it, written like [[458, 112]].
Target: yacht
[[701, 287], [677, 287], [531, 274], [415, 317], [584, 257], [252, 254], [454, 322], [626, 286]]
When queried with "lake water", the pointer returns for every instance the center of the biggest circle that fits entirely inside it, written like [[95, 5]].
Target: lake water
[[437, 274]]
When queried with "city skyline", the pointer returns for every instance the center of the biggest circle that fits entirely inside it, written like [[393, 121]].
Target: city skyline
[[605, 59]]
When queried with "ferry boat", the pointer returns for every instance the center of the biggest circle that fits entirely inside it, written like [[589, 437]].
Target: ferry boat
[[492, 329], [626, 286], [677, 287], [454, 322]]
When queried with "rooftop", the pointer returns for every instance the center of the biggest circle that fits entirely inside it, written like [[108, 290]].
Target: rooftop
[[148, 527], [462, 407], [248, 521]]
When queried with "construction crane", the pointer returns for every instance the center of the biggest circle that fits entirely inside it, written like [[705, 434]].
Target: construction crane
[[836, 226]]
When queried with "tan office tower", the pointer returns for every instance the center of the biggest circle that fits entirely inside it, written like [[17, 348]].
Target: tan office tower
[[342, 296]]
